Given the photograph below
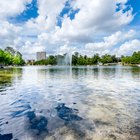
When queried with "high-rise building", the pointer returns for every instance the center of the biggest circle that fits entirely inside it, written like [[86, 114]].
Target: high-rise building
[[41, 55]]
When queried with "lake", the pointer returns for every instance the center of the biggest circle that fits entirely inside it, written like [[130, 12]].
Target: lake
[[70, 103]]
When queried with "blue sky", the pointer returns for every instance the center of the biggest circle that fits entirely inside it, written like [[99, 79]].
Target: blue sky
[[32, 12], [70, 25], [136, 10]]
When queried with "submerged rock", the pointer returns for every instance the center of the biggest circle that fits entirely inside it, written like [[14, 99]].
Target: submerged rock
[[6, 136], [67, 114], [37, 122]]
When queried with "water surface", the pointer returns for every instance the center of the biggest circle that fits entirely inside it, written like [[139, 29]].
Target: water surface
[[63, 103]]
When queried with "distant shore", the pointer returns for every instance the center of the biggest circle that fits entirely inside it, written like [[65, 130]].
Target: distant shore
[[7, 67], [131, 65], [109, 64]]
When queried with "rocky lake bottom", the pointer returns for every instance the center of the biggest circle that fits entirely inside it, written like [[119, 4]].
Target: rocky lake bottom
[[70, 103]]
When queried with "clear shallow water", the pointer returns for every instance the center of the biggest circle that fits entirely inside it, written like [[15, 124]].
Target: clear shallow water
[[62, 103]]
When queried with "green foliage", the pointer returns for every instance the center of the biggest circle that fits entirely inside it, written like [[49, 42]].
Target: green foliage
[[1, 56], [41, 62], [126, 59], [78, 59], [134, 59], [10, 50], [51, 60], [75, 58], [17, 60], [94, 60], [9, 57], [106, 59]]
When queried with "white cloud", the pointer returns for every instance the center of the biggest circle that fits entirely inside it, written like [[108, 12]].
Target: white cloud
[[110, 41], [30, 48], [94, 17], [10, 8], [48, 11], [129, 47], [66, 49], [8, 33], [94, 20]]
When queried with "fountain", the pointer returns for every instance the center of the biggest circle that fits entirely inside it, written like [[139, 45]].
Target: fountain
[[64, 60]]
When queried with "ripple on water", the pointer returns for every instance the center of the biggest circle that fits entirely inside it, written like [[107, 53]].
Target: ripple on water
[[79, 104]]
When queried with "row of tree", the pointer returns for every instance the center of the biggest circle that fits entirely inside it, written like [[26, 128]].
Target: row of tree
[[78, 59], [134, 59], [11, 57], [94, 60], [51, 60]]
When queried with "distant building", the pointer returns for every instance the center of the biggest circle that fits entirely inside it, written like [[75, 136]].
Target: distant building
[[30, 62], [41, 55]]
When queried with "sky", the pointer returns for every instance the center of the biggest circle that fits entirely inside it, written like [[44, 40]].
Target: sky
[[63, 26]]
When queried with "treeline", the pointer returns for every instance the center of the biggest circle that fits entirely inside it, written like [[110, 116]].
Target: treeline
[[51, 60], [134, 59], [78, 59], [11, 57]]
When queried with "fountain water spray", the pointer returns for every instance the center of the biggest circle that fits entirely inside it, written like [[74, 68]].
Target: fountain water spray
[[65, 59]]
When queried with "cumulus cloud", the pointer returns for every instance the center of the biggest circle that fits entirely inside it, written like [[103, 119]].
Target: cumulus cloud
[[109, 42], [66, 49], [10, 8], [8, 33], [94, 17], [129, 47], [30, 49], [93, 21], [48, 12]]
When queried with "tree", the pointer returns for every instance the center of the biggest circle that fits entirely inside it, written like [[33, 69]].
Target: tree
[[134, 59], [8, 58], [80, 60], [127, 59], [1, 56], [75, 58], [10, 50], [106, 59], [95, 59], [52, 60], [17, 60], [114, 59], [11, 57]]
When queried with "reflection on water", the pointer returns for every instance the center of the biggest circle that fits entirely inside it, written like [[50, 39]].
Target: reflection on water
[[7, 76], [67, 114], [6, 137], [63, 103], [38, 124]]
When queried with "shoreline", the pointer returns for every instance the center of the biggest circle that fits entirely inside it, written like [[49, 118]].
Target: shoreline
[[135, 65], [138, 65]]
